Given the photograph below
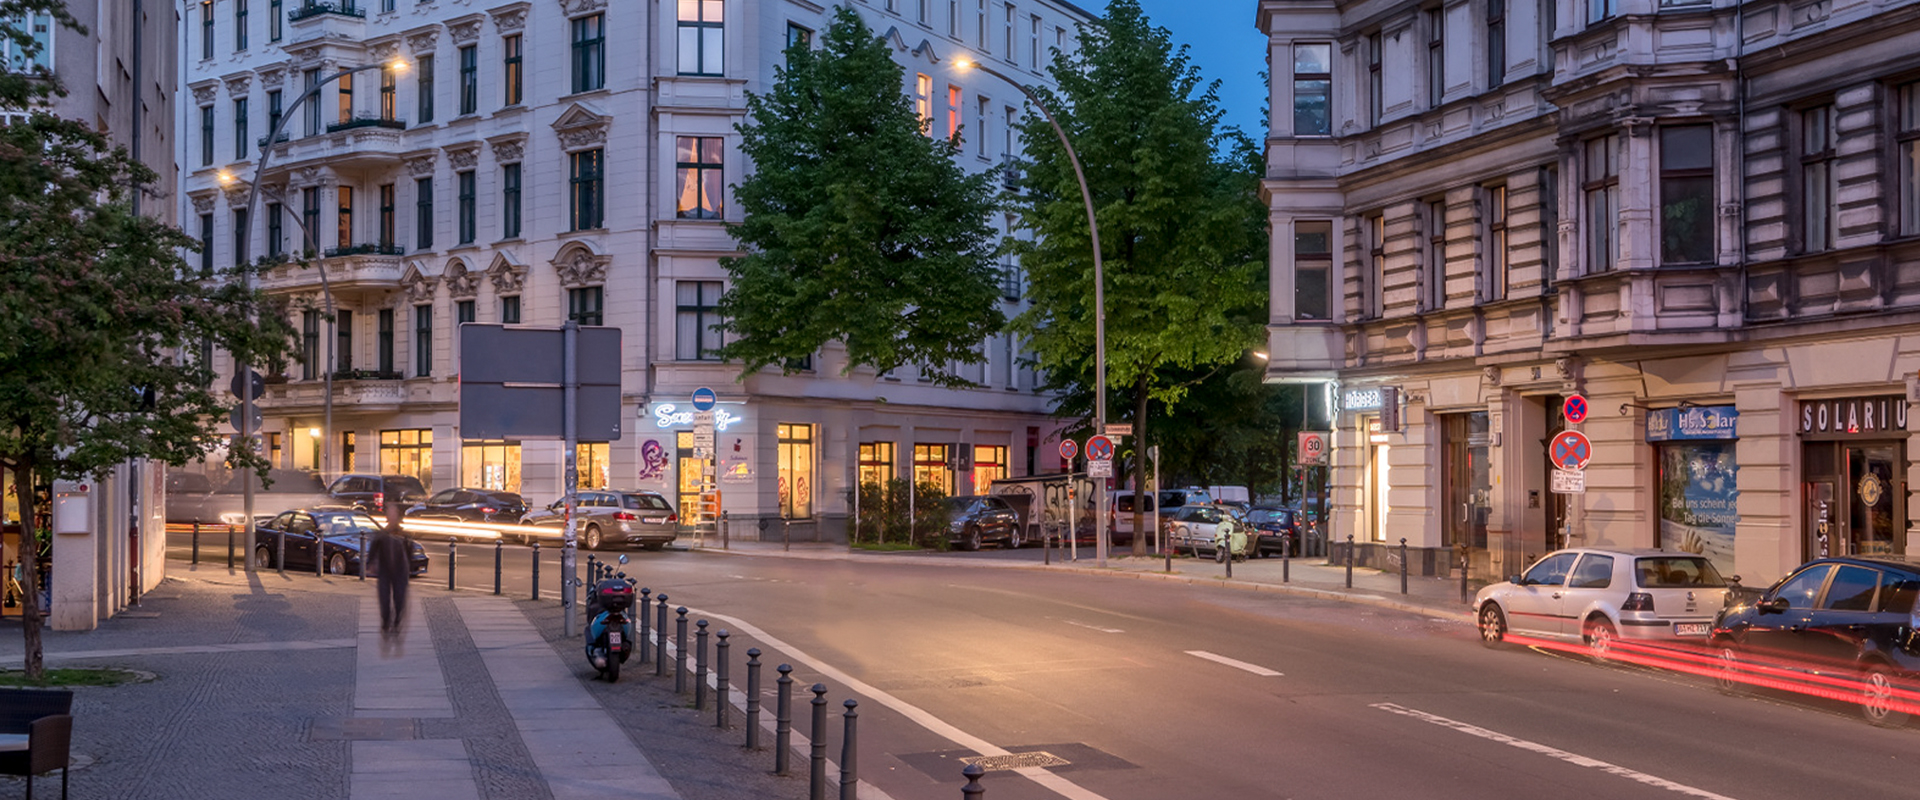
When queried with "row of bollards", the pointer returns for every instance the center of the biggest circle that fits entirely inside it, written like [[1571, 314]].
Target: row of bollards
[[722, 679]]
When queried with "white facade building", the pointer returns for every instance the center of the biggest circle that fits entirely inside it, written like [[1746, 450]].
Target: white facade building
[[551, 158]]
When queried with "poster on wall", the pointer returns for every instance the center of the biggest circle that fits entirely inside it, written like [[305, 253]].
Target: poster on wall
[[654, 457], [1699, 500], [736, 459]]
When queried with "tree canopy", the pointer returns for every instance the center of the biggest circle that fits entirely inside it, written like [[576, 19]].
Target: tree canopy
[[859, 227]]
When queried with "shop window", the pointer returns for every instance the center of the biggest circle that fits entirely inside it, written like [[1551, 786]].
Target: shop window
[[490, 465], [348, 440], [594, 463], [1698, 498], [274, 451], [405, 452], [691, 482], [795, 454], [989, 465], [932, 464], [1379, 486], [876, 463]]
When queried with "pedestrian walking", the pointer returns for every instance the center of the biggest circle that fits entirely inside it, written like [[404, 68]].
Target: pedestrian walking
[[390, 557]]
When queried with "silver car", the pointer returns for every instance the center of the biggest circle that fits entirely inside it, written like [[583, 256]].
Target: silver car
[[1194, 529], [1597, 596], [607, 518]]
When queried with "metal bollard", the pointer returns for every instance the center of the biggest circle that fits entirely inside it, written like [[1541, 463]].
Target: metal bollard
[[786, 534], [1403, 566], [452, 557], [1349, 560], [536, 569], [363, 555], [720, 704], [817, 762], [783, 720], [660, 639], [280, 551], [1465, 599], [1225, 545], [680, 651], [646, 601], [196, 543], [229, 547], [498, 549], [1286, 558], [973, 789], [593, 571], [726, 532], [849, 753], [753, 698], [700, 667]]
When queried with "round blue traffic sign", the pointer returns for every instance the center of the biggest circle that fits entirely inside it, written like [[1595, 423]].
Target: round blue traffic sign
[[1571, 450], [704, 398]]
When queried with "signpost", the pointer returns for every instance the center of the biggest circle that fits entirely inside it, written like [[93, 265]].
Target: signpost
[[544, 383]]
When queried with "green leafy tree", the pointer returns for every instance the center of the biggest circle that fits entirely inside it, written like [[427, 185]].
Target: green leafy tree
[[858, 227], [1182, 229], [102, 325]]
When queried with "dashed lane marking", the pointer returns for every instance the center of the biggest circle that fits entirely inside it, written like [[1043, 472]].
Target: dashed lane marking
[[1235, 663]]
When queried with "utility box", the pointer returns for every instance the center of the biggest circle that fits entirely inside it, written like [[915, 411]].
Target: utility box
[[73, 508]]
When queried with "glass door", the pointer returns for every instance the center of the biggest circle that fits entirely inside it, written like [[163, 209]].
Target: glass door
[[1876, 499], [1466, 485]]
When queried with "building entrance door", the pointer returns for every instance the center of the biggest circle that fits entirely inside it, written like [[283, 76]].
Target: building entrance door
[[1466, 481], [1855, 498]]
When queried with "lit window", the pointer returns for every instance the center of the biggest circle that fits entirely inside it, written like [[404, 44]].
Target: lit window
[[585, 195], [795, 457], [699, 171]]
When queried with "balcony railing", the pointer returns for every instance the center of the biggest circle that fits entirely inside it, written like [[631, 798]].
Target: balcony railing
[[366, 250], [281, 139], [367, 375], [314, 8], [367, 121]]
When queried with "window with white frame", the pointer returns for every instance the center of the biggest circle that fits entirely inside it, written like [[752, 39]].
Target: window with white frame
[[1007, 26], [923, 101], [1601, 185]]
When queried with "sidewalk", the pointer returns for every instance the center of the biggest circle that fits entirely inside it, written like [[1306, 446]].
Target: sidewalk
[[1307, 577]]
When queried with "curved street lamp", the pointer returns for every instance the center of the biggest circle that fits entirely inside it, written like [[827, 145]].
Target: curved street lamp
[[1099, 291], [246, 386]]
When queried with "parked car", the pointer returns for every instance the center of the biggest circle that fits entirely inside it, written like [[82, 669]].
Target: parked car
[[221, 499], [1598, 596], [471, 505], [1194, 528], [609, 517], [973, 520], [1269, 524], [1162, 507], [369, 492], [1852, 618], [333, 535]]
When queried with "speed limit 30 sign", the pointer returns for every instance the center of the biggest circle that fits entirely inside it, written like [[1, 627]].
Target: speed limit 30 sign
[[1313, 448]]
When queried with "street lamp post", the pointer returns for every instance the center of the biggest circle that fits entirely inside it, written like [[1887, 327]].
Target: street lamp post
[[253, 203], [1099, 295]]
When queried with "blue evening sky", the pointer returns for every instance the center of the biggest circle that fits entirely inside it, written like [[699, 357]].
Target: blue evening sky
[[1222, 41]]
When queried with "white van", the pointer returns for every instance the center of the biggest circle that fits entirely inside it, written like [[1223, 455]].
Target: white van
[[1170, 500]]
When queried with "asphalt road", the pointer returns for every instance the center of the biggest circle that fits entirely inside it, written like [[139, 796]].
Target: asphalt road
[[1151, 690]]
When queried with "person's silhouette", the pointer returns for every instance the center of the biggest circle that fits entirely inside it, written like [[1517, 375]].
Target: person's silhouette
[[391, 561]]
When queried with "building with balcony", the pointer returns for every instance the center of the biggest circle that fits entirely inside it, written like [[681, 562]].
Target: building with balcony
[[543, 160], [1701, 216]]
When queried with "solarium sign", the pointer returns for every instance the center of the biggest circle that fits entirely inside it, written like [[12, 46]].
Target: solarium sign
[[668, 416]]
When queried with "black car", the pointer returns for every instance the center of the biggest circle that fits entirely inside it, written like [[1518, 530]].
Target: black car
[[340, 531], [1852, 618], [1269, 525], [369, 492], [471, 505], [973, 520]]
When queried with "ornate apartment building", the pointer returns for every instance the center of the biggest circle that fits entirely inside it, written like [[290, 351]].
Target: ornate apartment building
[[530, 162], [1702, 216]]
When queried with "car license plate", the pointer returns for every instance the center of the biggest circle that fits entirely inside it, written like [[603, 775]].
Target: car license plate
[[1689, 629], [613, 638], [653, 520]]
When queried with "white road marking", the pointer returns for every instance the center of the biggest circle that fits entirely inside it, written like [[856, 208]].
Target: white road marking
[[1092, 627], [1235, 663], [1552, 752], [1040, 775]]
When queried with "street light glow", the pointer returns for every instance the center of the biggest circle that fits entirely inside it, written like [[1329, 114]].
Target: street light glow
[[398, 65]]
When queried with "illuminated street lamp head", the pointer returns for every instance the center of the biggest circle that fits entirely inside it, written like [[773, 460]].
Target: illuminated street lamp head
[[963, 63], [226, 178], [1260, 354], [398, 65]]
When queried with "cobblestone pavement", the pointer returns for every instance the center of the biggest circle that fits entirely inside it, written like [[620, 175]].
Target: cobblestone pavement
[[253, 697]]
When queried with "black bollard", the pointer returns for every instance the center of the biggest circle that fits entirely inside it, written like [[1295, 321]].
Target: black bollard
[[1465, 599], [196, 543], [536, 569], [753, 698], [646, 601], [783, 720], [452, 556], [1286, 558], [1403, 566], [593, 571], [700, 666], [280, 551], [364, 558], [660, 639], [499, 546], [817, 762], [849, 753], [1349, 560], [680, 651], [720, 703], [229, 547], [973, 789]]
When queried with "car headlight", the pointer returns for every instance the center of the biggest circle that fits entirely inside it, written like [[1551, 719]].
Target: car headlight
[[956, 526]]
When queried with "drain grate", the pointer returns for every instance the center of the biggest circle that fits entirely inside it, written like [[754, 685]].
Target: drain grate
[[386, 729], [1013, 761]]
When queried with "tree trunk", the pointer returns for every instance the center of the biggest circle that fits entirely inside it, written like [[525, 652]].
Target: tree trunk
[[29, 560], [1140, 471]]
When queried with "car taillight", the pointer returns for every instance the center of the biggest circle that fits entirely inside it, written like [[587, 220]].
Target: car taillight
[[486, 510], [624, 516], [379, 501], [1638, 601], [673, 518]]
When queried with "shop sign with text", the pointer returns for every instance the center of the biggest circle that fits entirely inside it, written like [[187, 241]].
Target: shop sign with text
[[1697, 422], [1854, 416], [667, 416]]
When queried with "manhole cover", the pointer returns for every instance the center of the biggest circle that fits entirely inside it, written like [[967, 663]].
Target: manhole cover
[[1013, 761], [387, 729]]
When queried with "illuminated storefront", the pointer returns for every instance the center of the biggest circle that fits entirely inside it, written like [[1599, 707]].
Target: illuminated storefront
[[1697, 474]]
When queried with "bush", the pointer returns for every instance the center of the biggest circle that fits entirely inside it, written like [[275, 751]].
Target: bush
[[884, 517]]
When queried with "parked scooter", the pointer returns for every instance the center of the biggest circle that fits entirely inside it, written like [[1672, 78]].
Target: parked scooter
[[610, 631], [1230, 540]]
